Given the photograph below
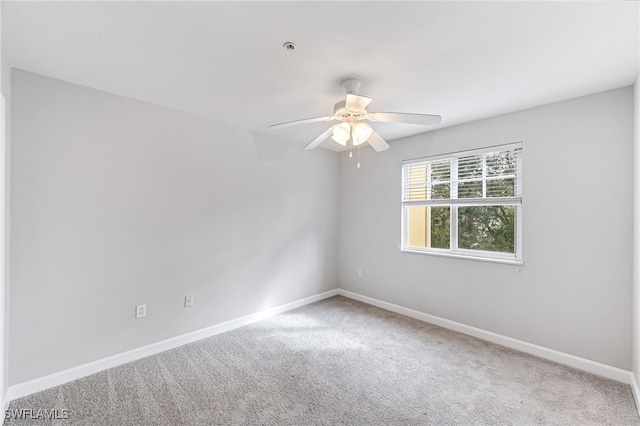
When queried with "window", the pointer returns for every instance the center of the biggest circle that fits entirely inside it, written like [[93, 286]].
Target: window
[[466, 204]]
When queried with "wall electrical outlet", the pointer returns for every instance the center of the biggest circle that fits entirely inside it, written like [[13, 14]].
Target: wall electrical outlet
[[188, 301], [141, 311], [359, 273]]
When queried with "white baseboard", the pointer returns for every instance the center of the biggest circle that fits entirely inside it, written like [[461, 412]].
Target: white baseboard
[[27, 388], [584, 364], [636, 392]]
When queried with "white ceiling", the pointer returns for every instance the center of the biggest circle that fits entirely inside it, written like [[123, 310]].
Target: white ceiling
[[225, 60]]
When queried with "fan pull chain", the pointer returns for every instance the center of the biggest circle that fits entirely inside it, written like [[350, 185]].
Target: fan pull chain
[[358, 156], [350, 148]]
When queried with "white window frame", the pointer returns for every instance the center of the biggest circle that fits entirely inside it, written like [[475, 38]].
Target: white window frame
[[454, 203]]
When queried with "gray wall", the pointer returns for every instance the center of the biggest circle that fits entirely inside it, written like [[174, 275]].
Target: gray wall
[[116, 203], [636, 230], [574, 292], [5, 154]]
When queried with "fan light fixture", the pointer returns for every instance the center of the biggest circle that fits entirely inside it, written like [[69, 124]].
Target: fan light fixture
[[342, 133], [358, 132], [361, 132]]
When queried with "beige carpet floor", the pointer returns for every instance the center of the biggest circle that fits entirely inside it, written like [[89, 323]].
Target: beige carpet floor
[[338, 362]]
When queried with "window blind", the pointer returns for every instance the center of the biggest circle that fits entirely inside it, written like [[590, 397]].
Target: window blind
[[482, 177]]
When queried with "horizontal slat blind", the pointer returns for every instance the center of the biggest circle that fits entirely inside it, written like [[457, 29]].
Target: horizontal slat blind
[[427, 180], [484, 177]]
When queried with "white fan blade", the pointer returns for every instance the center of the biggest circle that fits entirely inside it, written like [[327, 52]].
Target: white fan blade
[[399, 117], [305, 121], [317, 141], [356, 102], [377, 143]]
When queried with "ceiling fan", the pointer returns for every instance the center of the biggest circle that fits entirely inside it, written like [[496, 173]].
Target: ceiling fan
[[352, 114]]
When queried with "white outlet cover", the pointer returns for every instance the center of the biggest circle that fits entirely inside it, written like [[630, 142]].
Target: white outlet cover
[[188, 301], [141, 311]]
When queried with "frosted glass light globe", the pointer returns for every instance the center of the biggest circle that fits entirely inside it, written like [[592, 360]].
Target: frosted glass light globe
[[341, 133], [361, 132]]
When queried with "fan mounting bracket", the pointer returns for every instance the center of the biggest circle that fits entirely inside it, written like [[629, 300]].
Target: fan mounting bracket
[[351, 85]]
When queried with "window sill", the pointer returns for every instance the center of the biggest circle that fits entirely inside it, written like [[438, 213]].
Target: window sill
[[464, 256]]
